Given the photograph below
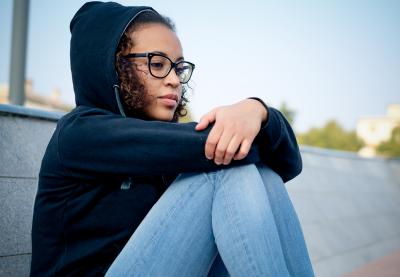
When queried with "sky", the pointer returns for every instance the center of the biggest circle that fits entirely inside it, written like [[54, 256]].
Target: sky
[[326, 59]]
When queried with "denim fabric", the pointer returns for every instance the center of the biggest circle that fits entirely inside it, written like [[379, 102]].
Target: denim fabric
[[238, 220]]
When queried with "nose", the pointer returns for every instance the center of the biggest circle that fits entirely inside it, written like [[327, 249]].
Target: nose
[[172, 78]]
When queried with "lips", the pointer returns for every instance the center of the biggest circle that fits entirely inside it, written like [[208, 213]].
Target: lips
[[170, 96]]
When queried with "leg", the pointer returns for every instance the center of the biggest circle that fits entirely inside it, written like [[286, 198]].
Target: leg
[[288, 226], [160, 248], [175, 238], [244, 226]]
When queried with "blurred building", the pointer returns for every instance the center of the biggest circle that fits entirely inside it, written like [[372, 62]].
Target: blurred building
[[377, 129], [34, 99]]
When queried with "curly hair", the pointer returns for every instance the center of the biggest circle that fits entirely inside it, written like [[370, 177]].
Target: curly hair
[[133, 92]]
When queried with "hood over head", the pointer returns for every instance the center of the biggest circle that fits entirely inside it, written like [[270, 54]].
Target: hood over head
[[96, 30]]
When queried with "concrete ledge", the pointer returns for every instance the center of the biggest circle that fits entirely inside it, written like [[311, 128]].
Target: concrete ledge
[[15, 110]]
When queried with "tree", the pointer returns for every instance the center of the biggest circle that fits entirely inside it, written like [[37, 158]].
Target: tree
[[288, 113], [391, 148], [331, 136]]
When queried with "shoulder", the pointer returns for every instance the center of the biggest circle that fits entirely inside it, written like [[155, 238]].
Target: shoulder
[[81, 112]]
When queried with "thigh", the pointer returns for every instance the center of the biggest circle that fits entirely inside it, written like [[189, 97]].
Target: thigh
[[175, 238]]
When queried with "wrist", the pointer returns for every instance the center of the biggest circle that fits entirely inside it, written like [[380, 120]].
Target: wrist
[[262, 107]]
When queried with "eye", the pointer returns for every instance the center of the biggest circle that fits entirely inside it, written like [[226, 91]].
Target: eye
[[182, 68], [157, 65], [179, 70]]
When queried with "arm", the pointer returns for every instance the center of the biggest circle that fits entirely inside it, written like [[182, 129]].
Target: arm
[[94, 141], [229, 139]]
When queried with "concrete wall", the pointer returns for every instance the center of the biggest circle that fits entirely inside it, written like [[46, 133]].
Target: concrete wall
[[349, 207], [23, 139]]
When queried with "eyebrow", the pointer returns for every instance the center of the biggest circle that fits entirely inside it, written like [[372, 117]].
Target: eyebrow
[[162, 53]]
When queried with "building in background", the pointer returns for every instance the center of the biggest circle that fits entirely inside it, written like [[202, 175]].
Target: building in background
[[377, 129], [36, 100]]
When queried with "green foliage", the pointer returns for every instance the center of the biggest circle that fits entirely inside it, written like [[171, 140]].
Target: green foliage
[[331, 136], [391, 148], [288, 113]]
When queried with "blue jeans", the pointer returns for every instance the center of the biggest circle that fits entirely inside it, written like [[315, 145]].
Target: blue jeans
[[238, 220]]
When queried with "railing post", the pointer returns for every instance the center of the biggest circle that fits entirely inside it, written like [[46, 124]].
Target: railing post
[[18, 52]]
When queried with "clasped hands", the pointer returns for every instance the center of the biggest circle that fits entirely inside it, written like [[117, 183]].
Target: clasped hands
[[234, 131]]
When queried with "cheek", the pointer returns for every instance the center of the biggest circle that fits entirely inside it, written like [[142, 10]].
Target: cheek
[[150, 87]]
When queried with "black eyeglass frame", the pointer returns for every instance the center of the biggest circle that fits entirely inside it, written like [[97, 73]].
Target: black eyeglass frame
[[150, 55]]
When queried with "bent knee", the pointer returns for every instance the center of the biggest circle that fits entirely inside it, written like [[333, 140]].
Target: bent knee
[[241, 169], [237, 173], [268, 174], [253, 171]]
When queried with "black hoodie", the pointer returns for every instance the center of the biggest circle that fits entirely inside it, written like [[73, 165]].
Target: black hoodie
[[102, 172]]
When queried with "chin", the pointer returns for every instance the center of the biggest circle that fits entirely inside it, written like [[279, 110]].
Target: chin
[[164, 116]]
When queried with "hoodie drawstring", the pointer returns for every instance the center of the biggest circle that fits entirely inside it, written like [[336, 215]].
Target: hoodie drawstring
[[120, 107]]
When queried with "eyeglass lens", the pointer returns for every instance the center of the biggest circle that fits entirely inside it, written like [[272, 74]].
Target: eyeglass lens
[[161, 66]]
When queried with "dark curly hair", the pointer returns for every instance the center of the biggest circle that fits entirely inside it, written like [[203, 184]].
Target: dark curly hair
[[133, 92]]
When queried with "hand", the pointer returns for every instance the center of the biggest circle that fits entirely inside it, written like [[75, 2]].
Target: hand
[[235, 127]]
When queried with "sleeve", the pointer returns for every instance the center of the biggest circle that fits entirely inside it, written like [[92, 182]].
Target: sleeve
[[111, 144], [278, 145]]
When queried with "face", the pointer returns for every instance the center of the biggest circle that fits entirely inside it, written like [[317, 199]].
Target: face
[[163, 94]]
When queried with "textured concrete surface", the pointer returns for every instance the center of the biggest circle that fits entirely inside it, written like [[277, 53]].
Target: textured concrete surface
[[349, 207], [16, 203], [15, 266], [22, 144]]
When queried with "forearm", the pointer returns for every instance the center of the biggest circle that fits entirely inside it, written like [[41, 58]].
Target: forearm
[[116, 145]]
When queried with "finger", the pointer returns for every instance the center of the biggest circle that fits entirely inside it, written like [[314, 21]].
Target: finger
[[222, 145], [205, 120], [233, 146], [243, 151], [212, 140]]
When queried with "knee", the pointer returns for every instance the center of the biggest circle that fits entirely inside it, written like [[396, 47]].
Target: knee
[[268, 175], [234, 174], [241, 170]]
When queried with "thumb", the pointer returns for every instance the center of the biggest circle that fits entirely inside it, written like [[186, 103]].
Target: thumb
[[205, 121]]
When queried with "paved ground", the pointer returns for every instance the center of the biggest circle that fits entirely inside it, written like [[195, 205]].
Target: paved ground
[[388, 266]]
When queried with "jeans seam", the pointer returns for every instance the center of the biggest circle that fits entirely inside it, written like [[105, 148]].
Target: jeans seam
[[207, 176]]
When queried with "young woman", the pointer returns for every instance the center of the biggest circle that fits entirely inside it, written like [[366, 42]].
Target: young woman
[[125, 190]]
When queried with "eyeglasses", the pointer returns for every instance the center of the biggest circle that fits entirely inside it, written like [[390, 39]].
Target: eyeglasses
[[160, 66]]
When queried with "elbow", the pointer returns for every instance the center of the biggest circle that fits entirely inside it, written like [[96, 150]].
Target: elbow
[[296, 167], [299, 167]]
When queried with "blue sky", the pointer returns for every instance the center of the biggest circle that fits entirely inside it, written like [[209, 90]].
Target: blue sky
[[326, 59]]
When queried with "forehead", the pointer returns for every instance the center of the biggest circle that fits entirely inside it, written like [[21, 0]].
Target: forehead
[[156, 37]]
